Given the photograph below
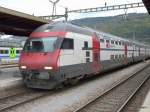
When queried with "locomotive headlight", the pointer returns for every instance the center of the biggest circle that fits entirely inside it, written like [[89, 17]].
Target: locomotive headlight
[[23, 67], [48, 68]]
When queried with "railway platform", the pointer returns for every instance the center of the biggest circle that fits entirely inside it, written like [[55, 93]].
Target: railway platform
[[146, 105], [10, 78], [9, 72]]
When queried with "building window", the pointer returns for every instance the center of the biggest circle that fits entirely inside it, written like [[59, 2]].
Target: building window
[[67, 44]]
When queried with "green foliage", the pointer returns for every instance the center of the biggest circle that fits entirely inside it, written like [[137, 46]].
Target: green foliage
[[136, 25]]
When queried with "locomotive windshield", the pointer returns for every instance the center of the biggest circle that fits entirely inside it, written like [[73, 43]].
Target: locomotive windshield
[[40, 44]]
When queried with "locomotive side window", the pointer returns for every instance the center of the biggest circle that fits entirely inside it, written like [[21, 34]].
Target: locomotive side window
[[67, 44]]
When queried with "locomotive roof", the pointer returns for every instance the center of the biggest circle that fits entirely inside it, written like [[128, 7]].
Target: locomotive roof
[[63, 26]]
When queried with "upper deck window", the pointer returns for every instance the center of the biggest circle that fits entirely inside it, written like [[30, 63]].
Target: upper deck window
[[102, 40], [116, 42], [112, 42], [107, 41], [119, 43]]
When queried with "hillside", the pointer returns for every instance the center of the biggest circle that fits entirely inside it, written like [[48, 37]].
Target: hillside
[[137, 25]]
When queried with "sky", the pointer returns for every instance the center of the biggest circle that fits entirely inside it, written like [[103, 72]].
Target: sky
[[44, 7]]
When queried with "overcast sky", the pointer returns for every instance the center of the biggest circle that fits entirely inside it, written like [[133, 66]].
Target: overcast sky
[[44, 7]]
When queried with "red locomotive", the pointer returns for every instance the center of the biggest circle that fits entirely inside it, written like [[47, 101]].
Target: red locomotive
[[60, 53]]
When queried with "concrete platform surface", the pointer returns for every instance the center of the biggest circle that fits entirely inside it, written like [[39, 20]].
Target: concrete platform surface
[[10, 78], [146, 104], [7, 73]]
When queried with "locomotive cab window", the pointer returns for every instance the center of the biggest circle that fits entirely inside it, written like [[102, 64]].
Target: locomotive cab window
[[67, 44], [46, 44]]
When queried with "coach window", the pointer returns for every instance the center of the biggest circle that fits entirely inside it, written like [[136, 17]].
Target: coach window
[[119, 43], [6, 51], [116, 42], [119, 55], [85, 44], [112, 42], [1, 52], [17, 51], [102, 40], [107, 41], [116, 56], [112, 57], [67, 44], [123, 43]]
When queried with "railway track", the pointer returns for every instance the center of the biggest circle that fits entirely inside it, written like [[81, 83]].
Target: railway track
[[112, 100], [117, 97], [8, 66], [9, 102]]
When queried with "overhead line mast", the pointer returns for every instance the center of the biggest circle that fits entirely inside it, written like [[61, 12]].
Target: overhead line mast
[[97, 9]]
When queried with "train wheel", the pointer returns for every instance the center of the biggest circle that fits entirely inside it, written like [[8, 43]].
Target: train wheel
[[59, 86], [74, 81]]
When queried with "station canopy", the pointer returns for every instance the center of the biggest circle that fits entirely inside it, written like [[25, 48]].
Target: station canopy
[[147, 5], [17, 23]]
